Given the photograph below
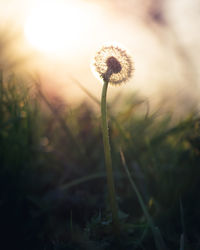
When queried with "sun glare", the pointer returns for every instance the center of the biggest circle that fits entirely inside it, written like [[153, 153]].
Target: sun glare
[[55, 26]]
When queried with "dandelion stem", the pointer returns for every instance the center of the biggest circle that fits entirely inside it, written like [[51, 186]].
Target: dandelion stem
[[108, 160]]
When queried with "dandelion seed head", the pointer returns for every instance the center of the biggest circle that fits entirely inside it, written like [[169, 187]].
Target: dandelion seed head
[[113, 64]]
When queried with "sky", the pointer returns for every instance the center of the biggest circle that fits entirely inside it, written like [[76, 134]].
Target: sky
[[62, 37]]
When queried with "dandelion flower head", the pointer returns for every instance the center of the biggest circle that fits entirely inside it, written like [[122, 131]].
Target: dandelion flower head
[[113, 64]]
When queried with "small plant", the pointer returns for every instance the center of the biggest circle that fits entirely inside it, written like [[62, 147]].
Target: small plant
[[113, 66]]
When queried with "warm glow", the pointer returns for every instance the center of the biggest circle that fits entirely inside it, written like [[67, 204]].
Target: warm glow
[[55, 26]]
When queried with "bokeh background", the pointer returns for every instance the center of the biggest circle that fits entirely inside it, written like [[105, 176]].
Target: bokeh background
[[60, 38]]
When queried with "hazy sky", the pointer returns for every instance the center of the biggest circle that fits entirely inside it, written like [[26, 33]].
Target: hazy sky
[[161, 36]]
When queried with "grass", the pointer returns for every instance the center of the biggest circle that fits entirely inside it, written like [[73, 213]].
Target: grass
[[53, 184]]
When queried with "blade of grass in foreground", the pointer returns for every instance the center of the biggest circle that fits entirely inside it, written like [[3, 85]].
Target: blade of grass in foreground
[[81, 180], [182, 242], [159, 242], [86, 91]]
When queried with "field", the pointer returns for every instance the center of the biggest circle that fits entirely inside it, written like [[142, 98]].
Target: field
[[53, 191]]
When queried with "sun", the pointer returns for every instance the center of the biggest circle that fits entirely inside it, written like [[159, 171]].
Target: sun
[[53, 26]]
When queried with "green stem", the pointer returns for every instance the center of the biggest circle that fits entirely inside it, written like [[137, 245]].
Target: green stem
[[108, 160]]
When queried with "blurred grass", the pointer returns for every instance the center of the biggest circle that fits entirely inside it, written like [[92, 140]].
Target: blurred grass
[[52, 186]]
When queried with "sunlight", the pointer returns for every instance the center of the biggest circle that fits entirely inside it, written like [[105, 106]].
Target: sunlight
[[55, 26]]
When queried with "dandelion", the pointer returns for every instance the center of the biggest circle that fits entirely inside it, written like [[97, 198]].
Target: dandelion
[[113, 65]]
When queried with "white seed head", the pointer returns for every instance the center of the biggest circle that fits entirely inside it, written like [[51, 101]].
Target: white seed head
[[113, 65]]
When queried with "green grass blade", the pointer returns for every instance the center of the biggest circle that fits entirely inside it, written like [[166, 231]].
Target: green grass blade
[[159, 242], [81, 180], [86, 91], [182, 242]]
